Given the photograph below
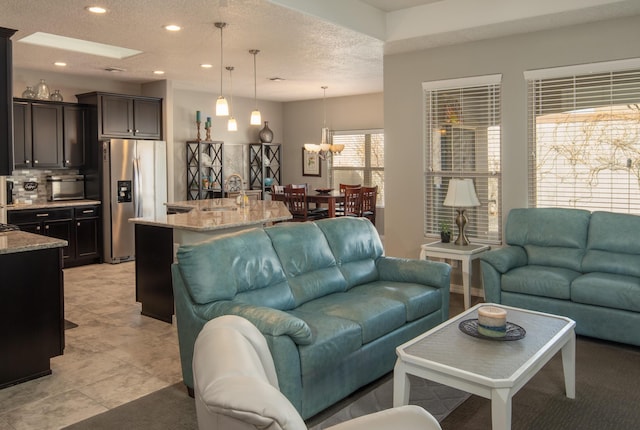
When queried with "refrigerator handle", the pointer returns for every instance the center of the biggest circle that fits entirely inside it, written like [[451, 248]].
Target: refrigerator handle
[[137, 187]]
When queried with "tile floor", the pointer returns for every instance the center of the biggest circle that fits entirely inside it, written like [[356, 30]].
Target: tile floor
[[114, 356]]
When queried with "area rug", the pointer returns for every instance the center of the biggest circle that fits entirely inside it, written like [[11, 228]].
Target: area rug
[[607, 395]]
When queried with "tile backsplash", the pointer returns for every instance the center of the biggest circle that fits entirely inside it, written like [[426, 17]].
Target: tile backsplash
[[39, 176]]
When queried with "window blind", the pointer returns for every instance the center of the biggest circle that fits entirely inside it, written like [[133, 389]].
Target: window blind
[[584, 141], [361, 161], [462, 139]]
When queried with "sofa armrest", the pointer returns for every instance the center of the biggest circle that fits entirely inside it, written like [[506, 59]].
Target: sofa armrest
[[505, 259], [494, 264], [272, 322], [431, 273]]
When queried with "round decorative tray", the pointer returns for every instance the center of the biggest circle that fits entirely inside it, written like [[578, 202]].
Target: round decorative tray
[[470, 327], [324, 190]]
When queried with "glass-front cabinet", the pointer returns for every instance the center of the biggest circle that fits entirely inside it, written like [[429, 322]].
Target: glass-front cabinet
[[205, 172], [265, 160]]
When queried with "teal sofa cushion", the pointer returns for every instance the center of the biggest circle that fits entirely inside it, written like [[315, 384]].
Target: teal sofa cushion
[[607, 290], [244, 270], [613, 245], [306, 258], [552, 236], [540, 281], [356, 246], [376, 315]]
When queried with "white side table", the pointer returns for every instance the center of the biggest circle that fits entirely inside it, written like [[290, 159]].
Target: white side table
[[464, 253]]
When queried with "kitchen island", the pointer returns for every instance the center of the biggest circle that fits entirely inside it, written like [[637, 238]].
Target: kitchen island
[[157, 240], [31, 305]]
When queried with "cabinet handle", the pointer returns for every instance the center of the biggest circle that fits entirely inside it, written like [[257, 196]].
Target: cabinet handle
[[46, 227], [38, 228], [41, 215], [137, 131], [67, 162], [87, 211], [78, 224], [35, 161], [129, 130], [27, 161]]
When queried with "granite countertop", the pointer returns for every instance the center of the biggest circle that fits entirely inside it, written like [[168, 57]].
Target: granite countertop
[[52, 205], [21, 241], [218, 214]]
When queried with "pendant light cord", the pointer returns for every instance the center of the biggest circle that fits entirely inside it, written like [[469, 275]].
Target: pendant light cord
[[255, 79], [221, 25]]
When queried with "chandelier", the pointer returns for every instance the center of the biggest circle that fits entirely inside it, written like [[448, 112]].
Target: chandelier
[[324, 148]]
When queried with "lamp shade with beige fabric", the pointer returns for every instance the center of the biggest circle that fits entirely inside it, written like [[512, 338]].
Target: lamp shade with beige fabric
[[460, 195]]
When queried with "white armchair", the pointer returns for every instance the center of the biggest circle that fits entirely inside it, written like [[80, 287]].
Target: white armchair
[[236, 386]]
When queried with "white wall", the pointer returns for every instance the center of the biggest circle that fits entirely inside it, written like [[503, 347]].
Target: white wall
[[510, 56]]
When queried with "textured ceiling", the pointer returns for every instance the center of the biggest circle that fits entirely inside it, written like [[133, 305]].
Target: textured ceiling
[[308, 43]]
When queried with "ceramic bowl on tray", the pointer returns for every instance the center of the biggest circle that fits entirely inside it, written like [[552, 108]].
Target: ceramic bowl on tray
[[324, 190]]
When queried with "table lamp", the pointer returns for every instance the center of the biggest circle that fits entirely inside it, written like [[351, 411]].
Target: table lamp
[[461, 195]]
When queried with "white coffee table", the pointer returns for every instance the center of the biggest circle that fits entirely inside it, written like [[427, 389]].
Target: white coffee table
[[492, 369]]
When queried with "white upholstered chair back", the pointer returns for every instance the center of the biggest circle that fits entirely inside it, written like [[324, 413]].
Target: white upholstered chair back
[[236, 386]]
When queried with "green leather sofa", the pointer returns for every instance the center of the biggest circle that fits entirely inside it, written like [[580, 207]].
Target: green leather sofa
[[571, 262], [332, 307]]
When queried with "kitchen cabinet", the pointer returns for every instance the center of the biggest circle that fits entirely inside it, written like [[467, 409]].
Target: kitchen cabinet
[[79, 226], [6, 94], [264, 166], [48, 134], [123, 116], [31, 313]]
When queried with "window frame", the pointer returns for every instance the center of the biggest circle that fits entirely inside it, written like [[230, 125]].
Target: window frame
[[488, 224]]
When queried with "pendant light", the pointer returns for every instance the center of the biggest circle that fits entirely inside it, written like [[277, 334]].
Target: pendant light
[[232, 124], [256, 118], [222, 108], [324, 149]]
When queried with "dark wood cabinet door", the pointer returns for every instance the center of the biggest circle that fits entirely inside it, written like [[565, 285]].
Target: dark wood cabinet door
[[87, 238], [75, 119], [147, 119], [46, 133], [117, 116], [22, 154], [62, 229]]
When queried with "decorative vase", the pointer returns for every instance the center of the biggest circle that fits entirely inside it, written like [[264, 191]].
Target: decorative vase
[[266, 135], [56, 96], [42, 90], [29, 93]]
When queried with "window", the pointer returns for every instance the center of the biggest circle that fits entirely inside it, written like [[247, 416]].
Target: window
[[584, 137], [361, 161], [462, 140]]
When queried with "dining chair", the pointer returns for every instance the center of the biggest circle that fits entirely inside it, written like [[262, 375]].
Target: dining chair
[[369, 198], [352, 202], [340, 205], [296, 200]]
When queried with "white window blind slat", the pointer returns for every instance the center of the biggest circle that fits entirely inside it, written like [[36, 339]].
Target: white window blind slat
[[584, 141]]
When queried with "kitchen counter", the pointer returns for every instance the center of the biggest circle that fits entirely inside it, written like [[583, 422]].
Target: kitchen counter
[[157, 239], [217, 214], [51, 205], [21, 241]]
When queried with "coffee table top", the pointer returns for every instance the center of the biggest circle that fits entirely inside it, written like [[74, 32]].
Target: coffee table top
[[445, 348]]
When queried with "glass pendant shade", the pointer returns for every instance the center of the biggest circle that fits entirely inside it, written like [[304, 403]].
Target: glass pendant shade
[[232, 124], [256, 118], [222, 107]]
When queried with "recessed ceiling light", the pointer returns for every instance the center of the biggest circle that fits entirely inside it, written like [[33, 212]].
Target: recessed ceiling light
[[158, 72], [60, 63], [172, 27], [206, 66], [78, 45], [96, 9]]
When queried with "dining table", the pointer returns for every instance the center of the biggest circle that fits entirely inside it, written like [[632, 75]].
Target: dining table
[[331, 199]]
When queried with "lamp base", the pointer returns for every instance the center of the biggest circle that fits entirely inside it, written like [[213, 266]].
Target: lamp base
[[461, 222]]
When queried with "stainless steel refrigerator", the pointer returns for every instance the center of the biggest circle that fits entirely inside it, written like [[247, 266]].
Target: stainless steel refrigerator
[[134, 184]]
